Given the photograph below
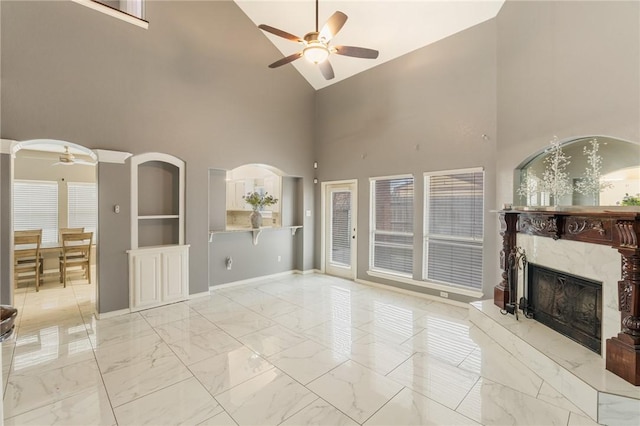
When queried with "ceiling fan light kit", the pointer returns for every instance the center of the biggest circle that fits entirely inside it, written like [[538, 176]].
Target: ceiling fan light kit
[[316, 44], [68, 159]]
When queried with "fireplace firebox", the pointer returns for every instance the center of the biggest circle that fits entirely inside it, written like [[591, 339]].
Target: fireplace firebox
[[569, 304]]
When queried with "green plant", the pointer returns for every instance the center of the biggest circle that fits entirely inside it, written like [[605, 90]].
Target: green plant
[[258, 200], [631, 200]]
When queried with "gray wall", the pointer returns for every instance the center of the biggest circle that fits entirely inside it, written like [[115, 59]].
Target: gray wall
[[566, 69], [6, 244], [539, 69], [425, 111], [115, 237], [201, 92]]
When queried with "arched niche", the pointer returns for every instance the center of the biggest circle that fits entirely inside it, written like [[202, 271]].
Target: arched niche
[[600, 171]]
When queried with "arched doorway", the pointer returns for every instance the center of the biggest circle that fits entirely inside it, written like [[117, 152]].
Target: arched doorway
[[54, 190]]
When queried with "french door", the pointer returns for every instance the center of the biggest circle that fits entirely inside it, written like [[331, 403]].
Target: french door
[[340, 228]]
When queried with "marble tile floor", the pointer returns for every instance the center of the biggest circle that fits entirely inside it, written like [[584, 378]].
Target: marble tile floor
[[292, 350]]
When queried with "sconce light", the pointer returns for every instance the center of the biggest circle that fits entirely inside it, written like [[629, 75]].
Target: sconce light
[[315, 180], [315, 164]]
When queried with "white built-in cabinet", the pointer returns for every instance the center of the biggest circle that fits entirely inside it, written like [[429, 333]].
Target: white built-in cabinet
[[159, 258]]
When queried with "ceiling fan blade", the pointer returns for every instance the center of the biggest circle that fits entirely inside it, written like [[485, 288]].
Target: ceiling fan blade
[[326, 69], [280, 33], [333, 26], [286, 60], [356, 52]]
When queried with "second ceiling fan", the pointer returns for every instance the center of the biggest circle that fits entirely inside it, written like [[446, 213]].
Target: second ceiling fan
[[316, 45]]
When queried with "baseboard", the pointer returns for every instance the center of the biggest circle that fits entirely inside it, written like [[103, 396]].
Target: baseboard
[[251, 280], [412, 293], [112, 314], [197, 295], [306, 272]]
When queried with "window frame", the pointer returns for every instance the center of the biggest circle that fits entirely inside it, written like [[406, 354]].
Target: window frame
[[373, 270], [464, 241]]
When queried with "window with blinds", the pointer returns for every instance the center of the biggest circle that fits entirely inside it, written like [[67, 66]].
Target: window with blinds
[[391, 240], [82, 206], [35, 206], [453, 224]]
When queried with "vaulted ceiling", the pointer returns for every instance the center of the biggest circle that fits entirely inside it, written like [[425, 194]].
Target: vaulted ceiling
[[393, 27]]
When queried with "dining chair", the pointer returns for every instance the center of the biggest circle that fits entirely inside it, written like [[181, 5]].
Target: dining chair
[[26, 257], [76, 251], [32, 232], [61, 232]]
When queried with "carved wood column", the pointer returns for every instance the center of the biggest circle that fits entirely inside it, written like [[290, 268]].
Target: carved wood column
[[508, 231], [623, 351]]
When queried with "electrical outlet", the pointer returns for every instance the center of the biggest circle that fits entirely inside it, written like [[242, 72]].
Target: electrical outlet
[[444, 294]]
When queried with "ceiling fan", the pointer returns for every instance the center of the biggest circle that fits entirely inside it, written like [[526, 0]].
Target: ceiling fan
[[68, 159], [316, 44]]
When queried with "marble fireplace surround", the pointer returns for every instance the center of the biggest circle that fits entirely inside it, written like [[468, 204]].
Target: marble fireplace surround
[[595, 262], [575, 371]]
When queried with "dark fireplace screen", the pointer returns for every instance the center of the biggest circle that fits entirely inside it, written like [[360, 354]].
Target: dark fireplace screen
[[569, 304]]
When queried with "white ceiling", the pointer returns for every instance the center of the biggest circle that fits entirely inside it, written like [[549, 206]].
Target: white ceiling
[[393, 27]]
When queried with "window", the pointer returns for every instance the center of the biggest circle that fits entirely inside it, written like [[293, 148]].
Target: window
[[35, 206], [82, 205], [130, 7], [391, 239], [131, 11], [453, 224]]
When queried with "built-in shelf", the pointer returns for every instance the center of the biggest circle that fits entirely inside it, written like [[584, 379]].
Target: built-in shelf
[[159, 216], [159, 257], [255, 232]]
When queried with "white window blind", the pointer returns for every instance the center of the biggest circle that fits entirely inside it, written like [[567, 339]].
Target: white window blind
[[341, 228], [82, 203], [454, 217], [391, 241], [35, 206]]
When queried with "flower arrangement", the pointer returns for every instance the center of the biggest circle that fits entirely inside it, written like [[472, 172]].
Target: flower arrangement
[[555, 179], [258, 201], [631, 200], [591, 183]]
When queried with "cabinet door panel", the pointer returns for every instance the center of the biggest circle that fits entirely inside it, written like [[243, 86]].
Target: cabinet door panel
[[174, 279], [146, 270]]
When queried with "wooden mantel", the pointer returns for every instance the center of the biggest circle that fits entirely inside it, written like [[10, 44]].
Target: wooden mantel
[[616, 228]]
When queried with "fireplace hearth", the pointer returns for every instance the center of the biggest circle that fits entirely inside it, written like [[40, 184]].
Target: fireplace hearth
[[569, 304]]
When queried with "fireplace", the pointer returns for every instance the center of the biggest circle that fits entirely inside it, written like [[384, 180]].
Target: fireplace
[[567, 303], [617, 228]]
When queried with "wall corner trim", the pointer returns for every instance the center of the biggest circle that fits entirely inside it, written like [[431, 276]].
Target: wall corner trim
[[115, 157], [6, 145]]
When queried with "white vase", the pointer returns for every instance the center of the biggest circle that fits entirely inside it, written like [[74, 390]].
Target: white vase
[[256, 219]]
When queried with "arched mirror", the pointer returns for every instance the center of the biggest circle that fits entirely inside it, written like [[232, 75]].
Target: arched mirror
[[586, 171], [253, 187]]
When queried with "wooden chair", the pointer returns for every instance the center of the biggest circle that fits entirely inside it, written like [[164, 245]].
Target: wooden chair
[[76, 251], [61, 232], [26, 256], [32, 232], [69, 231]]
